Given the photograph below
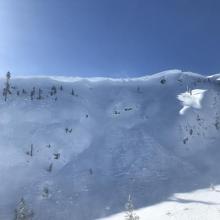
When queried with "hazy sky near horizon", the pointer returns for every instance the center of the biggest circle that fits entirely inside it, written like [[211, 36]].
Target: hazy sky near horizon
[[109, 37]]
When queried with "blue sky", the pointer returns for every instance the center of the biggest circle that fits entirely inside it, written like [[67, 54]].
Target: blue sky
[[109, 37]]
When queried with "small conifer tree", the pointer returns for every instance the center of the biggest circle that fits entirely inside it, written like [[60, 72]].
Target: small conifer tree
[[72, 92], [50, 168], [32, 93], [130, 215], [45, 192], [22, 212], [6, 90], [39, 94]]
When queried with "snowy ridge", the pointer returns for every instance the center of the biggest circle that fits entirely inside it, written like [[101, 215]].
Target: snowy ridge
[[75, 148], [98, 79]]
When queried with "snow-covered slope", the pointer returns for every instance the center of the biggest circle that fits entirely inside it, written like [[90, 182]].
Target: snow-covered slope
[[197, 205], [97, 140]]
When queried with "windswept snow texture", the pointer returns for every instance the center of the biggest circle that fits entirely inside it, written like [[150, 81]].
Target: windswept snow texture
[[75, 148]]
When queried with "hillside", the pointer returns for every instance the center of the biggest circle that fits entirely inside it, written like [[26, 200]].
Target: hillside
[[75, 148], [200, 204]]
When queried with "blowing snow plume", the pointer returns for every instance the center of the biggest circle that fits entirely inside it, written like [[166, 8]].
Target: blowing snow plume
[[191, 99]]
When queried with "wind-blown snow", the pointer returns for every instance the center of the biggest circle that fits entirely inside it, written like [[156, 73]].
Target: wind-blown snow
[[97, 140], [190, 99]]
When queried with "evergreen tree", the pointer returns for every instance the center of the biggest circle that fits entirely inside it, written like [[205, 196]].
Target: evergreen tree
[[31, 151], [130, 215], [56, 156], [50, 168], [72, 92], [32, 93], [6, 90], [24, 91], [53, 90], [39, 94], [22, 212], [163, 81], [45, 192]]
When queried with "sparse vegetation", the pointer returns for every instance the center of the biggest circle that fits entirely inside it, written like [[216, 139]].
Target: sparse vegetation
[[22, 212], [30, 152], [45, 193], [32, 93], [50, 168], [40, 94], [163, 81], [6, 90], [130, 215], [56, 156]]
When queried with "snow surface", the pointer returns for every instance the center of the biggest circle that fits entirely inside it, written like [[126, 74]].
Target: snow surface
[[197, 205], [95, 141]]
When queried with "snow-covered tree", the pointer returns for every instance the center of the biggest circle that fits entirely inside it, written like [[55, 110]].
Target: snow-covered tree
[[39, 94], [6, 90], [32, 93], [22, 212], [130, 215]]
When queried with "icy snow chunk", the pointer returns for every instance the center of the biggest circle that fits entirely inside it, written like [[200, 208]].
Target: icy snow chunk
[[190, 99]]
